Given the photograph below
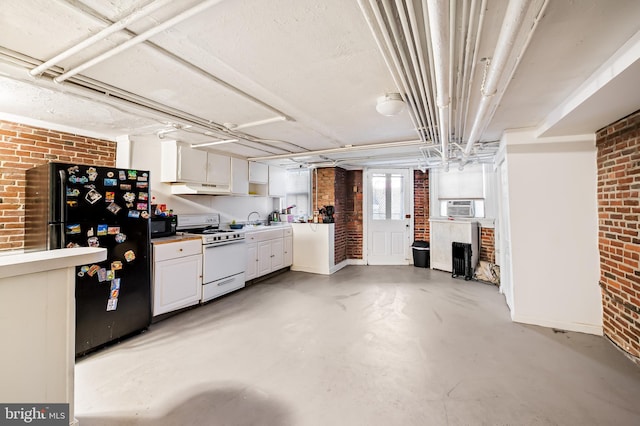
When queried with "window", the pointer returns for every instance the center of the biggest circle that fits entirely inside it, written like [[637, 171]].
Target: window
[[298, 191], [388, 196]]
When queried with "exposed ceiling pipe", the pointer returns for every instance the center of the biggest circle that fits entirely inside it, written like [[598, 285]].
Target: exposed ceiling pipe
[[439, 26], [101, 35], [348, 148], [138, 39], [421, 71], [409, 38], [468, 78], [516, 11], [413, 91], [231, 126], [393, 63]]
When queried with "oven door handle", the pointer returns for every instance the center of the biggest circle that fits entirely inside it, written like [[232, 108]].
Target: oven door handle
[[225, 243]]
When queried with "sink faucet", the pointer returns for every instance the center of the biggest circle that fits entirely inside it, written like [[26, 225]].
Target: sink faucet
[[249, 217]]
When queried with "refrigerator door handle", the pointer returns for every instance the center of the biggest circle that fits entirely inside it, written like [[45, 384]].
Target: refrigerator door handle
[[63, 207]]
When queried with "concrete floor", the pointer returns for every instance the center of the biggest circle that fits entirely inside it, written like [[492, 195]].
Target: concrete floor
[[387, 345]]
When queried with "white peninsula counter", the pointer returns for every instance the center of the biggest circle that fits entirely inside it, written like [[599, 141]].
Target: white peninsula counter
[[37, 324], [313, 248]]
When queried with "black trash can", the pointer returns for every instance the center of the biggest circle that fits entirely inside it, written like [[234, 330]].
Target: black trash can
[[421, 254]]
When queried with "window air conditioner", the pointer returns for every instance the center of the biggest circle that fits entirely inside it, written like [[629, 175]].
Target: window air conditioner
[[460, 208]]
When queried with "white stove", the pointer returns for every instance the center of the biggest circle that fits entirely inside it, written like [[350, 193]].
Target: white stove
[[224, 254]]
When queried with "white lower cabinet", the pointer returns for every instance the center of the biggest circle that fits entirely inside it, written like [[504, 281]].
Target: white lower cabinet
[[268, 251], [252, 262], [288, 250], [177, 275]]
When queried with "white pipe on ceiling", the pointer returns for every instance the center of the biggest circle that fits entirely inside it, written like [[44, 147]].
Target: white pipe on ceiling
[[255, 123], [413, 93], [101, 35], [348, 148], [470, 62], [516, 11], [439, 26], [409, 38], [138, 39], [395, 70]]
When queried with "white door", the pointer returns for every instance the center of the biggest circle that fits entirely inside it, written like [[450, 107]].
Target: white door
[[388, 216], [504, 235]]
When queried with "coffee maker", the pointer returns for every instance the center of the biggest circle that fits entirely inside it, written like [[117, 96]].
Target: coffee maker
[[327, 213]]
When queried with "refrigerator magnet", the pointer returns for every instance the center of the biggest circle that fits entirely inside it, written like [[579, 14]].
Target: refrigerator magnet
[[110, 182], [115, 284], [129, 255], [76, 179], [102, 274], [102, 230], [143, 177], [84, 268], [73, 228], [72, 245], [72, 192], [93, 269], [113, 230], [110, 174], [129, 197], [122, 175], [142, 185], [80, 274], [110, 274], [112, 304], [125, 187], [109, 196], [116, 265], [114, 208], [73, 170], [93, 242], [134, 214], [120, 238], [143, 196], [90, 232], [72, 203], [115, 294], [132, 174], [92, 196], [141, 206], [144, 214]]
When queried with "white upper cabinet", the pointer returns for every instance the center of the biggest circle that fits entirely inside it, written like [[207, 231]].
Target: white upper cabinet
[[239, 176], [218, 168], [181, 163], [277, 181], [258, 172]]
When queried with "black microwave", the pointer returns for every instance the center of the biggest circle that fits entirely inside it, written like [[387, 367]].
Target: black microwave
[[163, 226]]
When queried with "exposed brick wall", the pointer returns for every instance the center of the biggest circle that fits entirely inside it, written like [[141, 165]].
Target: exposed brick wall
[[335, 188], [488, 245], [421, 229], [23, 147], [340, 204], [619, 240], [354, 210]]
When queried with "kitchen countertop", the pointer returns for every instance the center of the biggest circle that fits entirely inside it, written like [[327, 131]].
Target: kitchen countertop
[[179, 237]]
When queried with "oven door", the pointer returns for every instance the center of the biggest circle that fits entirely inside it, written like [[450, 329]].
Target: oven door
[[224, 260]]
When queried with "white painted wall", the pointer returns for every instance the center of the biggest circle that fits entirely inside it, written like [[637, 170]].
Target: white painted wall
[[145, 154], [554, 231]]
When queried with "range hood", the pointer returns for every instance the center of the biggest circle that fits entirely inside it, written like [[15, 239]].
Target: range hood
[[185, 188]]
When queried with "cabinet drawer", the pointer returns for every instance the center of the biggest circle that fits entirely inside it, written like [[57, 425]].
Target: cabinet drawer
[[269, 234], [176, 250], [288, 232]]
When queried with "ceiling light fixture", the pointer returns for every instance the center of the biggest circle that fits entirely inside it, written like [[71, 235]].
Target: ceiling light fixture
[[390, 104], [198, 145]]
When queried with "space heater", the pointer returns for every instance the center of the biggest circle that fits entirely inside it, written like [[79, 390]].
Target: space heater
[[461, 260]]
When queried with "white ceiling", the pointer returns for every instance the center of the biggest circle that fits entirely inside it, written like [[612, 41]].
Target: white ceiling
[[571, 68]]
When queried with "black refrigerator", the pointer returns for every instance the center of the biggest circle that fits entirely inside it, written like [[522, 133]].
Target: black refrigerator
[[74, 205]]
